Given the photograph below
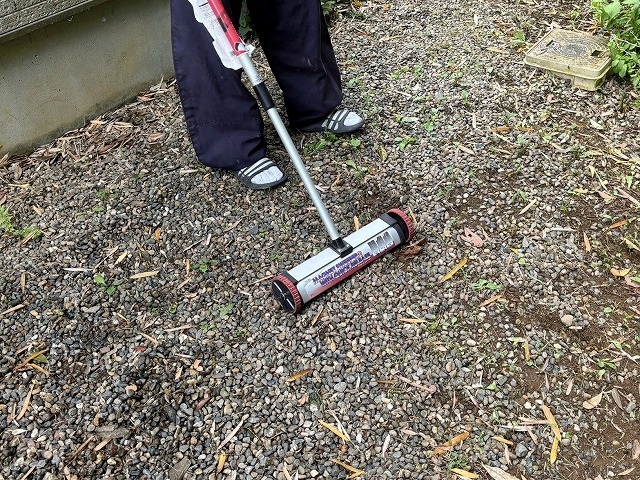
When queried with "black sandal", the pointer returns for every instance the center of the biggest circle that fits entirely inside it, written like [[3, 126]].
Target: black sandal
[[247, 174], [338, 122]]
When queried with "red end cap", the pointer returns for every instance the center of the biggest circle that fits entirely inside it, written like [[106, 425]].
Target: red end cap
[[404, 218], [286, 294]]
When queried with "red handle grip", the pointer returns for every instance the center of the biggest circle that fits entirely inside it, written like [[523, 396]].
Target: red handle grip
[[229, 30]]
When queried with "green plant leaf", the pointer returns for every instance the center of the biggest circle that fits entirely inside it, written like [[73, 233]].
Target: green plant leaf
[[40, 359], [351, 164], [613, 9], [226, 310], [99, 279]]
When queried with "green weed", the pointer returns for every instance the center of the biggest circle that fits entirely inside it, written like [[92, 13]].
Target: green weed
[[226, 310], [519, 40], [110, 288], [359, 172], [483, 284], [320, 144], [404, 142], [6, 224], [621, 20]]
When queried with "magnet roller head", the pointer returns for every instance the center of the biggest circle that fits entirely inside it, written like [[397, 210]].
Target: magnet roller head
[[297, 286]]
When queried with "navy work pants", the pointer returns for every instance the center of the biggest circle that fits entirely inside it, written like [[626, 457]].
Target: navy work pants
[[224, 122]]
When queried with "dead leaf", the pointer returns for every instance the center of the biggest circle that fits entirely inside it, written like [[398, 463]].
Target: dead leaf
[[552, 421], [455, 269], [221, 460], [498, 474], [471, 237], [501, 129], [144, 275], [527, 352], [157, 233], [489, 301], [355, 472], [618, 224], [632, 281], [38, 368], [635, 450], [12, 309], [25, 405], [620, 272], [593, 402], [605, 195], [385, 445], [317, 315], [150, 338], [631, 245], [285, 472], [624, 194], [101, 445], [411, 250], [299, 375], [155, 137], [413, 320], [122, 256], [111, 431], [233, 432], [525, 209], [26, 363], [425, 388], [356, 223], [587, 243], [502, 440], [626, 472], [176, 329], [447, 446], [553, 455], [464, 473], [178, 470], [202, 403], [466, 150], [507, 456], [616, 398], [335, 430], [196, 367], [383, 154]]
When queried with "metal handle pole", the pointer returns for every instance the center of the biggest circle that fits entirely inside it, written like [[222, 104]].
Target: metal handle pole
[[256, 81]]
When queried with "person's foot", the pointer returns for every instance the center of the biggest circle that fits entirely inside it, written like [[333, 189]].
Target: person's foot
[[261, 175], [340, 121]]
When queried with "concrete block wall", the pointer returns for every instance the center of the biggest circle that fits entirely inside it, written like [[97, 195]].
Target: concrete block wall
[[58, 71], [18, 17]]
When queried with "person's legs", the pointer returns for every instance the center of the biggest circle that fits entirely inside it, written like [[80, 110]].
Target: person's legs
[[296, 42], [223, 119]]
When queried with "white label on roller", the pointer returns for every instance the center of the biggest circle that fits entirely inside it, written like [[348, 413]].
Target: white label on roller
[[326, 269], [204, 15]]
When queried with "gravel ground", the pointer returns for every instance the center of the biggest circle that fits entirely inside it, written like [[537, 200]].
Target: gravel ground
[[140, 340]]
